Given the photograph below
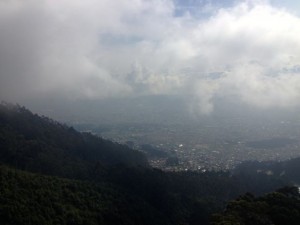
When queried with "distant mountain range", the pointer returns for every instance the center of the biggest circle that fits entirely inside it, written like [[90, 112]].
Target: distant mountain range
[[288, 170]]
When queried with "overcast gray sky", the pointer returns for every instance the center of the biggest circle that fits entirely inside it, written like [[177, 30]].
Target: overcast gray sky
[[95, 49]]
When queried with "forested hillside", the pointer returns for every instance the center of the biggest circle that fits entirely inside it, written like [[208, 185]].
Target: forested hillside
[[27, 198], [52, 174], [39, 144], [276, 208]]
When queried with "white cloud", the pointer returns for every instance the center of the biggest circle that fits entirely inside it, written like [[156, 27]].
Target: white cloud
[[253, 44], [100, 49]]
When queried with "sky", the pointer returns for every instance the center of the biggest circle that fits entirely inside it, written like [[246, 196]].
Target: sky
[[203, 50]]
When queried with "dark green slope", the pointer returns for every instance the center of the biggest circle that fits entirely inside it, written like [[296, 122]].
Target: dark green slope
[[277, 208], [27, 198], [39, 144]]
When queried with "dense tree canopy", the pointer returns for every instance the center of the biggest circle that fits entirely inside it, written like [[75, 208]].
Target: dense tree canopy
[[276, 208]]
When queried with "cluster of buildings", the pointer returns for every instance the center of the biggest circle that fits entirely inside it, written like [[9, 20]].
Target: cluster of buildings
[[204, 148]]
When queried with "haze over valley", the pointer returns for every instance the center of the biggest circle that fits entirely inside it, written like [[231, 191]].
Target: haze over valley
[[149, 112], [219, 141], [199, 79]]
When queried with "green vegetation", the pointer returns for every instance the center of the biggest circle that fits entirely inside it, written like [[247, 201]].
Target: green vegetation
[[39, 144], [52, 174], [28, 198], [277, 208]]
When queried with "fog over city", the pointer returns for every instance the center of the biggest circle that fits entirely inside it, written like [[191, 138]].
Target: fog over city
[[228, 63], [147, 112]]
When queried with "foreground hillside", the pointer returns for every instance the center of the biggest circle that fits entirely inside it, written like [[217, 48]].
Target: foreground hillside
[[78, 178], [276, 208], [39, 144], [28, 198]]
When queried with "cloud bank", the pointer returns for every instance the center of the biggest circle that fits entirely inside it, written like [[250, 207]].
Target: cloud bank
[[246, 50]]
